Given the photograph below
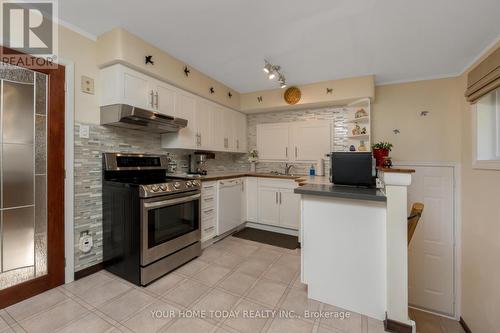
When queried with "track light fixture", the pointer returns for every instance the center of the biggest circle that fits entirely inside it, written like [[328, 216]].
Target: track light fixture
[[274, 71]]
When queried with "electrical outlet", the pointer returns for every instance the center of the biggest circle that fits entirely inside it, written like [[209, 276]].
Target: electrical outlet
[[84, 132], [87, 85]]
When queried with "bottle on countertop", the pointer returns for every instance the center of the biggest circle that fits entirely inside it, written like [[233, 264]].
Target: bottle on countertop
[[312, 170]]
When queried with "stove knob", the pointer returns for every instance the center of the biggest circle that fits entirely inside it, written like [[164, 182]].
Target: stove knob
[[155, 188], [189, 184], [163, 187], [195, 183], [177, 185]]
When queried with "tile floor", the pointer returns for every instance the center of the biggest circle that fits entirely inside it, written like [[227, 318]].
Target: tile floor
[[234, 275]]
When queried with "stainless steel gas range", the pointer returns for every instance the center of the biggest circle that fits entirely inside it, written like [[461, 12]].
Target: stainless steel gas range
[[151, 223]]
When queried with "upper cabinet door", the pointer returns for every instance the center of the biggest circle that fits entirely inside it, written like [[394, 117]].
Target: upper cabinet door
[[185, 107], [240, 132], [164, 99], [311, 140], [272, 142], [204, 124], [122, 85], [223, 129]]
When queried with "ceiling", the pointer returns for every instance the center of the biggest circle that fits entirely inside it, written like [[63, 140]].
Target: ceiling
[[314, 40]]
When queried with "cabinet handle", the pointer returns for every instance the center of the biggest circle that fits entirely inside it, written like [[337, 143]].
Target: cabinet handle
[[237, 144], [286, 151], [276, 197], [156, 98], [152, 94], [243, 186], [295, 152], [280, 198]]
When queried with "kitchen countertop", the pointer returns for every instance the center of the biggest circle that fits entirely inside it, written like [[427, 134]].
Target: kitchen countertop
[[300, 179], [345, 192]]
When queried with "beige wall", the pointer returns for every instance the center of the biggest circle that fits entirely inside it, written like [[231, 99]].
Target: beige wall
[[119, 45], [480, 234], [312, 95], [82, 52], [435, 137]]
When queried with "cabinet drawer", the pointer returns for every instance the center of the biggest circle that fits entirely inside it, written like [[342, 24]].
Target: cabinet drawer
[[208, 188], [207, 232], [208, 213], [207, 201]]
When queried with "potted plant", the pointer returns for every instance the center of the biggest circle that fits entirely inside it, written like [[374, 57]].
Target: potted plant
[[380, 151], [253, 157]]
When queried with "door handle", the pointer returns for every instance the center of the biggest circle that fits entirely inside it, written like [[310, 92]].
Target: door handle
[[156, 97], [152, 94]]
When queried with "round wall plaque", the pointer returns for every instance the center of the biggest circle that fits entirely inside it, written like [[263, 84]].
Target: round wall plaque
[[292, 95]]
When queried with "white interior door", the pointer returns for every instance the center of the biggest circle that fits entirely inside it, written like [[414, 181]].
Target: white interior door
[[431, 251]]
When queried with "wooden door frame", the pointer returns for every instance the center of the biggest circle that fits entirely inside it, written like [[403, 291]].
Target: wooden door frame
[[55, 186]]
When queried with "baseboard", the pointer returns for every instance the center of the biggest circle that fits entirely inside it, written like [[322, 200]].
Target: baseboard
[[89, 271], [286, 231], [396, 326], [464, 325]]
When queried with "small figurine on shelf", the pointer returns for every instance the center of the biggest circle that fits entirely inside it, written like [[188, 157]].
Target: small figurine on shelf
[[362, 146], [387, 162], [352, 148], [356, 130], [361, 113], [363, 130]]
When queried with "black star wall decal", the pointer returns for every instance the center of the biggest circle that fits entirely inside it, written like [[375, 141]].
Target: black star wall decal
[[259, 99], [149, 60], [212, 90], [329, 91], [186, 71], [229, 95]]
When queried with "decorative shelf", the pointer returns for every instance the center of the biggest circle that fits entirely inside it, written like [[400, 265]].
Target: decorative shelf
[[358, 120], [359, 137]]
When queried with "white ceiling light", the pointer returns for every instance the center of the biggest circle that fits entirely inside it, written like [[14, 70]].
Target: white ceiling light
[[273, 71]]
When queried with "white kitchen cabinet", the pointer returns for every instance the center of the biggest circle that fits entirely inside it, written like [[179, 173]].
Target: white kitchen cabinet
[[185, 107], [123, 85], [304, 141], [269, 210], [208, 210], [278, 204], [311, 140], [251, 199], [163, 98], [223, 129], [204, 125], [289, 209], [240, 132], [273, 141]]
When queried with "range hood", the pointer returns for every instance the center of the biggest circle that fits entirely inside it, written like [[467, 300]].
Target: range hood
[[128, 116]]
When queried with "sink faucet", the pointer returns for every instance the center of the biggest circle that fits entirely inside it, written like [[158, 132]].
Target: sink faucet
[[288, 167]]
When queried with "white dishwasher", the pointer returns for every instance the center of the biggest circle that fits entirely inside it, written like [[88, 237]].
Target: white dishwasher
[[229, 204]]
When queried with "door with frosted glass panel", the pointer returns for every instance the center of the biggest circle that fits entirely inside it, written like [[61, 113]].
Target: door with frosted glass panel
[[26, 223]]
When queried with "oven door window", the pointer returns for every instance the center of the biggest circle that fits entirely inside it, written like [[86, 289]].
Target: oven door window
[[169, 222]]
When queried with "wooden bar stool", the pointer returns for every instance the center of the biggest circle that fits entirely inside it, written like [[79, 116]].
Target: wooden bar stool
[[416, 213]]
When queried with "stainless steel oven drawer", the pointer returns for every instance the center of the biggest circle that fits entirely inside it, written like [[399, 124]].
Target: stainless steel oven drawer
[[169, 263]]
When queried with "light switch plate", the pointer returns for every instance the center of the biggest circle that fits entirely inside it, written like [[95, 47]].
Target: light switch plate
[[84, 132], [87, 85]]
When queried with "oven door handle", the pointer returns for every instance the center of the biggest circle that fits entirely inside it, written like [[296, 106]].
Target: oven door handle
[[170, 202]]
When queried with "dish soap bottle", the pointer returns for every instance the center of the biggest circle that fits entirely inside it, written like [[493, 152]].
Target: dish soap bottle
[[312, 170]]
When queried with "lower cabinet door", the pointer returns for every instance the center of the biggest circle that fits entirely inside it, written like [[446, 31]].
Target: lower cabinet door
[[289, 215], [269, 211]]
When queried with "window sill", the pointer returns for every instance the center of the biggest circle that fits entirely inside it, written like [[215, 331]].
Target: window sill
[[486, 165]]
